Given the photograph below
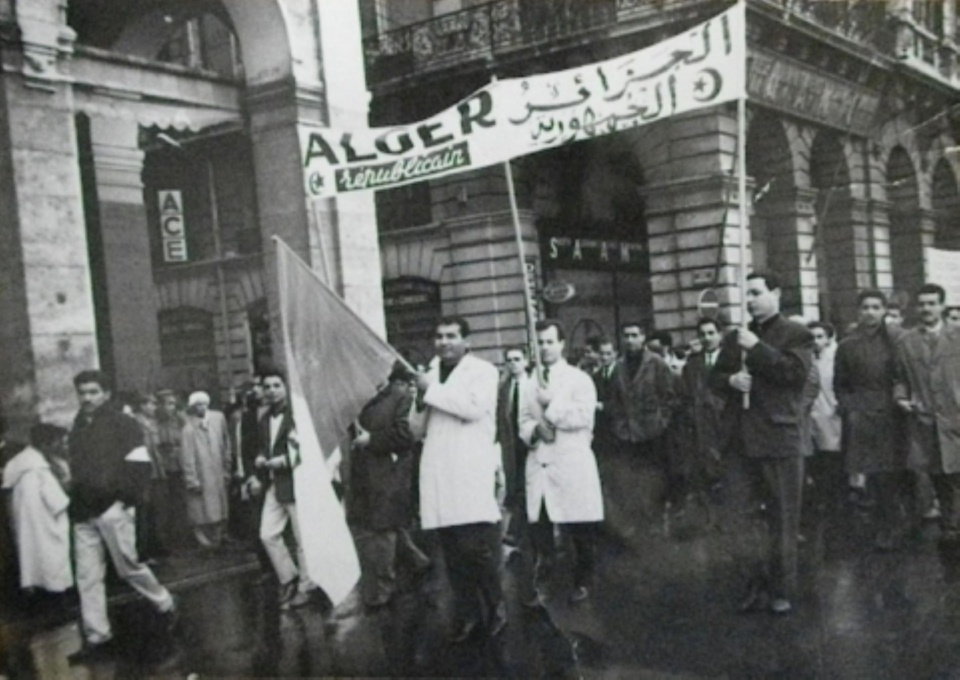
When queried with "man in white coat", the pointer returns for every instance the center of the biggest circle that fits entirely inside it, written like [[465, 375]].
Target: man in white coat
[[459, 470], [563, 485]]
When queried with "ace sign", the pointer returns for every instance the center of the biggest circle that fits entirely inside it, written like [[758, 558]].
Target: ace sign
[[173, 234]]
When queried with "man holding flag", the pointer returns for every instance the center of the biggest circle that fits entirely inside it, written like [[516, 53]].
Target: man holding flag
[[459, 472]]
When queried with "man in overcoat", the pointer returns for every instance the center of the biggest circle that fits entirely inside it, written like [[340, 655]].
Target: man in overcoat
[[769, 361], [563, 484], [642, 400], [928, 391], [459, 472], [207, 464], [864, 375]]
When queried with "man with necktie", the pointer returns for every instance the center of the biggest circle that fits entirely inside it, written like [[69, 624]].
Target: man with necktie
[[512, 448]]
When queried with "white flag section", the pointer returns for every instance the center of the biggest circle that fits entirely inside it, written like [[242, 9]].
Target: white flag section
[[509, 118], [943, 268], [334, 365]]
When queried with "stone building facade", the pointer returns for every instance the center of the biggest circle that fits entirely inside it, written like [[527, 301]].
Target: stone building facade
[[148, 154], [850, 150]]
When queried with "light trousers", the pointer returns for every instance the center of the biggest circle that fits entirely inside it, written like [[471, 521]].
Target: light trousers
[[273, 522], [115, 529]]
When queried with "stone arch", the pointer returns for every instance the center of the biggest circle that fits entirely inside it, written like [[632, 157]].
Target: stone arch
[[830, 168], [262, 28], [770, 165], [906, 242], [945, 199]]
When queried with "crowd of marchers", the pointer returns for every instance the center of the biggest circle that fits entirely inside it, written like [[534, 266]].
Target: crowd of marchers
[[459, 466]]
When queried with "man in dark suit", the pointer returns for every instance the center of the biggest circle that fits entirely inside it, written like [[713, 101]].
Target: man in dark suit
[[704, 430], [603, 377], [279, 454], [769, 362], [513, 451]]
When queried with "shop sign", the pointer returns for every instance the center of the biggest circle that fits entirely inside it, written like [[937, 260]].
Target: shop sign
[[592, 253], [173, 233], [558, 292], [407, 293]]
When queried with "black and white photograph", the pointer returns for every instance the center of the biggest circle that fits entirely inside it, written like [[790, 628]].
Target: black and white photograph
[[578, 339]]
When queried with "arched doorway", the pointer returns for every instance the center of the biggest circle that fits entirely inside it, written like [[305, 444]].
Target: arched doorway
[[773, 222], [946, 207], [830, 176], [906, 244]]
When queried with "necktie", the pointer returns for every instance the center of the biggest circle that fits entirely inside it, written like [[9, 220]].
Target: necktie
[[515, 404], [546, 375]]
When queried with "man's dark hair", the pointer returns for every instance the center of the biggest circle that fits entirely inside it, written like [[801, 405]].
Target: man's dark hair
[[544, 324], [931, 289], [515, 348], [663, 337], [704, 321], [457, 321], [951, 308], [604, 340], [594, 342], [43, 435], [634, 324], [827, 327], [873, 294], [272, 372], [93, 376], [769, 278]]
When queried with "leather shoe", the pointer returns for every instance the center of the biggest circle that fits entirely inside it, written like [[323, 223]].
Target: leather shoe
[[465, 632], [93, 653]]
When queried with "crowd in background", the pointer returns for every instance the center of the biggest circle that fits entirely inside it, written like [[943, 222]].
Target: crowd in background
[[760, 428]]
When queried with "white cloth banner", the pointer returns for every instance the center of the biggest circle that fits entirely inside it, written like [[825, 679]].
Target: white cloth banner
[[515, 117]]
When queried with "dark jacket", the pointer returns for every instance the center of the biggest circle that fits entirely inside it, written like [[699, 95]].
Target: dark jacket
[[381, 479], [100, 475], [603, 424], [512, 448], [773, 426], [864, 374], [282, 478], [706, 433], [642, 405]]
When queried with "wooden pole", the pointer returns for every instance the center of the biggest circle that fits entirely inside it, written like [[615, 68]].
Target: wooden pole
[[742, 191]]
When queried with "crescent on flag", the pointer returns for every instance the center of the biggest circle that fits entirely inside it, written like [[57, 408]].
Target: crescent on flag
[[707, 84]]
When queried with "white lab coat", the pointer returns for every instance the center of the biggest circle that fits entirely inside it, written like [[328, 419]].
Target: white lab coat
[[562, 474], [40, 524], [459, 467]]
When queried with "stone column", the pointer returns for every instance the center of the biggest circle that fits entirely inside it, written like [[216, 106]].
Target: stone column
[[48, 332], [126, 302], [845, 245]]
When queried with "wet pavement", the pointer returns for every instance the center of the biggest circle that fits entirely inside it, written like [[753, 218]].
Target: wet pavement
[[665, 606]]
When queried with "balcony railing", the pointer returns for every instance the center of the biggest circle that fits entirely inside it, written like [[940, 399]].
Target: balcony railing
[[489, 30]]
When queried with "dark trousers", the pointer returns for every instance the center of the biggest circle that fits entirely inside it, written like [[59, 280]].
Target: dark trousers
[[472, 553], [633, 476], [766, 496], [947, 487], [150, 543], [582, 536]]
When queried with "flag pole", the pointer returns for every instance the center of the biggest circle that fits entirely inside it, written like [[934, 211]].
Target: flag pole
[[742, 191], [522, 258]]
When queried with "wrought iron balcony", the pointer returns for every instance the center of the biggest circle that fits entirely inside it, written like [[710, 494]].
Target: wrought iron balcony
[[491, 30]]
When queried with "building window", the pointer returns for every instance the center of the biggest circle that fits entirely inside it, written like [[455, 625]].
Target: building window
[[411, 306], [186, 337]]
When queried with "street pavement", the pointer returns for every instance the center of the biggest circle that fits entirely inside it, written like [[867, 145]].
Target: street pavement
[[664, 606]]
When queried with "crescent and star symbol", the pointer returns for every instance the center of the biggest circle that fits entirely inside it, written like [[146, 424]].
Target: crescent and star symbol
[[707, 85]]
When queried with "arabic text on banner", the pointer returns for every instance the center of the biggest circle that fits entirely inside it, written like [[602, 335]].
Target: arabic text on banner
[[515, 117], [334, 365]]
